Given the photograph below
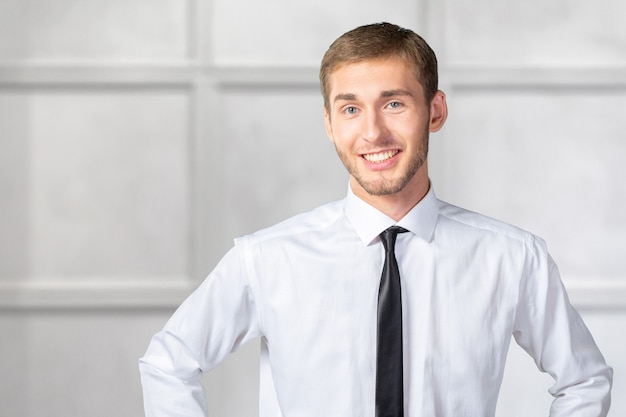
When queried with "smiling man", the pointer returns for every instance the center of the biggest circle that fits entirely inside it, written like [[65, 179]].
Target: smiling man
[[379, 118], [389, 302]]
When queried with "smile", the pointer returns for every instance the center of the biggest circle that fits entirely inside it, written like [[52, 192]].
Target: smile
[[380, 156]]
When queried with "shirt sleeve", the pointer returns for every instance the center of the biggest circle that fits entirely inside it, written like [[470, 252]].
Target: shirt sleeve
[[553, 333], [213, 321]]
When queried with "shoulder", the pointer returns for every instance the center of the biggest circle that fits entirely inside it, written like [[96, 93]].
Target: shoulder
[[316, 220], [470, 222]]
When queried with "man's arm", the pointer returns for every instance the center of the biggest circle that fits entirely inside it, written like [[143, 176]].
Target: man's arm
[[552, 332], [217, 318]]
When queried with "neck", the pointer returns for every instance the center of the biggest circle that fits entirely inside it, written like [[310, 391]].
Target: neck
[[396, 205]]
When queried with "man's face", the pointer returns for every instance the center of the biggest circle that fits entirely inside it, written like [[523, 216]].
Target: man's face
[[379, 120]]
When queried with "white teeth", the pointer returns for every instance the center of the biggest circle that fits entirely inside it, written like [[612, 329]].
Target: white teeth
[[380, 156]]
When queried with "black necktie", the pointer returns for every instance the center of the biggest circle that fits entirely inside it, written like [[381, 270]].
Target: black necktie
[[389, 395]]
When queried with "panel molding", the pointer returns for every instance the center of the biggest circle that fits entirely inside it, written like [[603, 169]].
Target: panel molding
[[533, 77], [586, 294], [96, 294], [169, 74], [595, 293], [75, 74]]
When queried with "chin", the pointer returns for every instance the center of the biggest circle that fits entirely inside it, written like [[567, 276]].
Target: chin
[[382, 188]]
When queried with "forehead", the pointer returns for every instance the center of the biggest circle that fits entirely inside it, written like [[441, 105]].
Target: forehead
[[372, 77]]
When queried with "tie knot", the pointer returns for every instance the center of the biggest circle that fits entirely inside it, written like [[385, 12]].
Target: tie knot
[[388, 236]]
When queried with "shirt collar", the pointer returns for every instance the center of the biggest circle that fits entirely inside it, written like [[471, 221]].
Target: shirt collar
[[369, 222]]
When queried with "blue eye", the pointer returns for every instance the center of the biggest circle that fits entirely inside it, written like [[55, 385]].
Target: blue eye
[[395, 104], [350, 110]]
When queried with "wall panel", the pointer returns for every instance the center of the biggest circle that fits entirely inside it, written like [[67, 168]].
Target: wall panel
[[276, 156], [103, 31], [14, 180], [534, 33], [109, 186], [62, 363], [99, 186], [279, 32]]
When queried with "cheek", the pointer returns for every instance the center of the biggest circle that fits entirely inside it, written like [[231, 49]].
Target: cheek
[[342, 133], [411, 129]]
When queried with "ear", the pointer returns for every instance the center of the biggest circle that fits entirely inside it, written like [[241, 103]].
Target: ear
[[328, 125], [438, 111]]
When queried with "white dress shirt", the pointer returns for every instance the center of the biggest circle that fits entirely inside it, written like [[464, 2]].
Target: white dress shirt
[[308, 288]]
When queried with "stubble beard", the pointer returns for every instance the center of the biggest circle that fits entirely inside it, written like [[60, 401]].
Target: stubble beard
[[388, 186]]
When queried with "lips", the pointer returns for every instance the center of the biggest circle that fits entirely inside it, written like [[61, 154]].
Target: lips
[[379, 157]]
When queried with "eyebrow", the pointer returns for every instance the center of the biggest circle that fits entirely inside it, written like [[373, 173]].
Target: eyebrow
[[383, 94], [396, 92], [345, 97]]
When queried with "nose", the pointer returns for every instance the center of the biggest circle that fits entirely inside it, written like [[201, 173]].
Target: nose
[[373, 126]]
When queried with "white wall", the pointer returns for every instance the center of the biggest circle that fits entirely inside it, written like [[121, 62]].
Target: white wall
[[137, 138]]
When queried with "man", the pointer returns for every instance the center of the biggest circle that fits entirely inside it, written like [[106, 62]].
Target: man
[[333, 344]]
